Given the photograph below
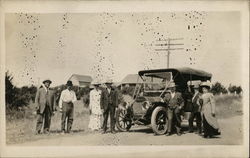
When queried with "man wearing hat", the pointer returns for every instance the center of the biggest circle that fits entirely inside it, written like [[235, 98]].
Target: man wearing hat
[[195, 114], [108, 105], [175, 104], [45, 105], [67, 98]]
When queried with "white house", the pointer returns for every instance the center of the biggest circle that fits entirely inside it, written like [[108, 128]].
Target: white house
[[80, 80]]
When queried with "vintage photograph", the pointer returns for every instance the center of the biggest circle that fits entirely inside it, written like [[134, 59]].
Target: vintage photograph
[[124, 78]]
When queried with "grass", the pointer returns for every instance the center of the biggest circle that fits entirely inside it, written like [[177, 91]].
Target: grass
[[20, 125], [19, 129], [228, 106]]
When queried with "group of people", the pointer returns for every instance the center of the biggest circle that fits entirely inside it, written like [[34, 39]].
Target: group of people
[[103, 102], [200, 104]]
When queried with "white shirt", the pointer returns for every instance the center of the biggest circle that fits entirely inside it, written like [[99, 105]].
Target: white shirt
[[172, 95], [109, 90], [194, 95], [46, 89], [67, 96]]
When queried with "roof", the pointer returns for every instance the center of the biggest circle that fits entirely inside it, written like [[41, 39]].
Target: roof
[[186, 73], [132, 79], [83, 78]]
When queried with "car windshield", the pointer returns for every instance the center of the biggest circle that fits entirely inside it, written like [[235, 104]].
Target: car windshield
[[156, 82]]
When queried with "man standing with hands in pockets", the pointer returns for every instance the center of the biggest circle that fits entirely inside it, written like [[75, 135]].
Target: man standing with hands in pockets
[[175, 104], [67, 98], [109, 101]]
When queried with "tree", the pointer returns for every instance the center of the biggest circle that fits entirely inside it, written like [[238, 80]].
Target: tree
[[232, 89], [15, 97], [238, 90], [218, 88], [10, 89]]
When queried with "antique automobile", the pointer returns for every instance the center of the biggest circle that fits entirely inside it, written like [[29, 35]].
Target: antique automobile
[[147, 106]]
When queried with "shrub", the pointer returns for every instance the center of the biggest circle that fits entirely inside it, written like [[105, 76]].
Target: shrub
[[10, 89], [218, 88], [234, 89], [15, 97], [81, 92]]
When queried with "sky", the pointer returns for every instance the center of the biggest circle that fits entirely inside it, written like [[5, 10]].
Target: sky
[[112, 45]]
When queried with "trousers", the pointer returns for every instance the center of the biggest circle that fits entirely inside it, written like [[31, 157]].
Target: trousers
[[110, 111], [44, 118], [197, 116], [67, 114], [174, 119]]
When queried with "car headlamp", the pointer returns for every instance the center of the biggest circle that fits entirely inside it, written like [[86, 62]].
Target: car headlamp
[[146, 105]]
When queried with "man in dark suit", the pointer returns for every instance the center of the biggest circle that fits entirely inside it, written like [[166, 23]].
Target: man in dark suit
[[195, 114], [109, 102], [175, 104], [45, 106]]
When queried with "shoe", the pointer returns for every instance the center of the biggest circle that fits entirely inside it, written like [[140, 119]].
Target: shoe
[[63, 132], [38, 132], [168, 134], [113, 132], [179, 133], [190, 131], [46, 132], [104, 132], [70, 132]]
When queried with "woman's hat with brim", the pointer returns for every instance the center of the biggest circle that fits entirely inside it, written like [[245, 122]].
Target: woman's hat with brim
[[47, 80], [206, 84], [69, 83]]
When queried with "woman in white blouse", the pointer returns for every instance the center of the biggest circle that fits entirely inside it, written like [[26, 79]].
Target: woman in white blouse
[[95, 107]]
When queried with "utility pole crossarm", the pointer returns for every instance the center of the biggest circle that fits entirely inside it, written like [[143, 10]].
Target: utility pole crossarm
[[168, 48], [170, 39], [177, 44]]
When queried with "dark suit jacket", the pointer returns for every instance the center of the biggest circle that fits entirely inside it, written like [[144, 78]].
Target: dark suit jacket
[[109, 99], [196, 105], [42, 97], [176, 101]]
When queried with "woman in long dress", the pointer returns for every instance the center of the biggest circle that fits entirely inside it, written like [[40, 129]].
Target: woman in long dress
[[95, 108], [210, 124]]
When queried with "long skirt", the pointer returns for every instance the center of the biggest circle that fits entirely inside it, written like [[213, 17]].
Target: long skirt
[[208, 129], [95, 122]]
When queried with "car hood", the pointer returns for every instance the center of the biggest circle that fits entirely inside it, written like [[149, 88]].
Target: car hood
[[150, 99]]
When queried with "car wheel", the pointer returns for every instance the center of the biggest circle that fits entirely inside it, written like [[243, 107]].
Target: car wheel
[[159, 120], [123, 120]]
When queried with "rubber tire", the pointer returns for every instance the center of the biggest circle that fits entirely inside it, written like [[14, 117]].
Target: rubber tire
[[153, 122], [121, 129]]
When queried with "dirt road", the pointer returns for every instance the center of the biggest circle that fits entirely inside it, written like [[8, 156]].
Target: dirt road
[[231, 129]]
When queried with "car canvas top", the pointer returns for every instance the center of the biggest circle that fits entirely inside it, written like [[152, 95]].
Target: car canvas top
[[185, 73]]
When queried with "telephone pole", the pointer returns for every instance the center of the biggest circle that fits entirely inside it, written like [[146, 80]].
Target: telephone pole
[[168, 46]]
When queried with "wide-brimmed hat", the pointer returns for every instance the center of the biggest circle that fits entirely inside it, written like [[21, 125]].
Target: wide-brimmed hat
[[196, 86], [47, 80], [109, 81], [206, 84], [171, 85], [94, 82], [69, 83]]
